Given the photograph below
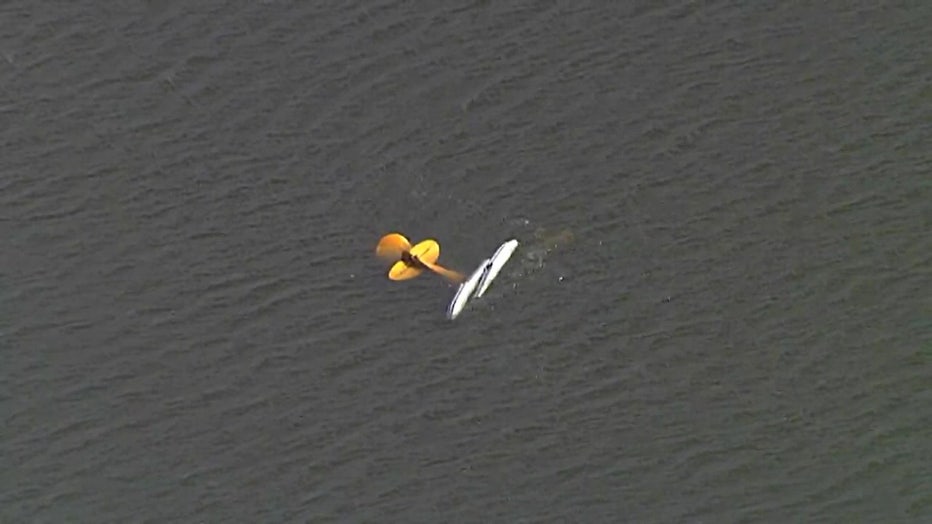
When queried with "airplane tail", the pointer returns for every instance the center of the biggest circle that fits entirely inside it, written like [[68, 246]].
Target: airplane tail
[[410, 261]]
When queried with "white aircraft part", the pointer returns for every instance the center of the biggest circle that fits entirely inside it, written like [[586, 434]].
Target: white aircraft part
[[480, 279], [495, 265], [465, 291]]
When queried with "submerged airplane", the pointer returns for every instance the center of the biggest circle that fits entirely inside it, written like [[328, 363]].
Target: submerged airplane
[[410, 261]]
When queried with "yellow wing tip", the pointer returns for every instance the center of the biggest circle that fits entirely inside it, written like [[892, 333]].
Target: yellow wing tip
[[391, 246], [402, 271]]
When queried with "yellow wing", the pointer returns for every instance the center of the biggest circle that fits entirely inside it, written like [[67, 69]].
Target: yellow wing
[[427, 251], [391, 247], [402, 271]]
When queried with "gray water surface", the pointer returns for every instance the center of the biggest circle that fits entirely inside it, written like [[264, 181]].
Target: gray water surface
[[719, 311]]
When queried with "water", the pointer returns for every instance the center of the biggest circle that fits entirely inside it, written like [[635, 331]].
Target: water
[[719, 311]]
